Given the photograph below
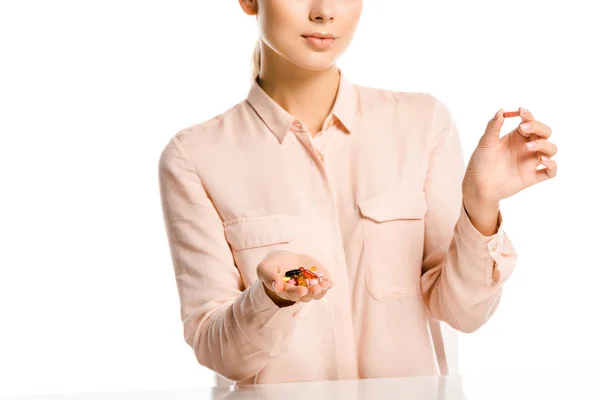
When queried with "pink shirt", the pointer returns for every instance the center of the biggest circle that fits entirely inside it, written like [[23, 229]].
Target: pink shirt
[[377, 199]]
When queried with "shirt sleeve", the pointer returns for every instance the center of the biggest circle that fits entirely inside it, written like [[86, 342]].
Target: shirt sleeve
[[233, 330], [457, 279]]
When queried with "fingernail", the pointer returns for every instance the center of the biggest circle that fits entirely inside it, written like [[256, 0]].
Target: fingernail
[[274, 287], [495, 115], [545, 159], [530, 145], [523, 110], [525, 127]]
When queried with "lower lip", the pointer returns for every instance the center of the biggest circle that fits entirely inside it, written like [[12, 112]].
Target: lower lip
[[318, 43]]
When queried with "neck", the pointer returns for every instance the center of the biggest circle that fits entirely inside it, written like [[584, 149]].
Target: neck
[[307, 95]]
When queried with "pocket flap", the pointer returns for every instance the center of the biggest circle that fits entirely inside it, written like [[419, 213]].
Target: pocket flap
[[397, 205], [251, 232]]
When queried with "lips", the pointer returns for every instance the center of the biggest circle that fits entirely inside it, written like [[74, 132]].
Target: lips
[[319, 41], [320, 36]]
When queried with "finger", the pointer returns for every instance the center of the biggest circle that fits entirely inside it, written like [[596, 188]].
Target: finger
[[549, 149], [309, 296], [537, 128], [549, 171], [525, 114], [492, 131], [319, 297], [277, 283], [270, 274], [315, 290], [322, 294], [287, 291], [306, 299], [293, 293], [326, 285]]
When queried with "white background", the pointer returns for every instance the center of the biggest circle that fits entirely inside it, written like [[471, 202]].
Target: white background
[[91, 91]]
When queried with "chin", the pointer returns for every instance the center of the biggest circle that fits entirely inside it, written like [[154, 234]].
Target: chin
[[315, 62]]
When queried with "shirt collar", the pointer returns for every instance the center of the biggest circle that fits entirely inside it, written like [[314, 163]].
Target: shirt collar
[[278, 120]]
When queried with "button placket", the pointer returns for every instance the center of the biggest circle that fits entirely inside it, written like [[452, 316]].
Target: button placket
[[319, 155], [340, 260], [337, 237], [306, 140]]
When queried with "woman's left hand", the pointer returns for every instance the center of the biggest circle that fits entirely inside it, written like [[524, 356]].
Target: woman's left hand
[[503, 166]]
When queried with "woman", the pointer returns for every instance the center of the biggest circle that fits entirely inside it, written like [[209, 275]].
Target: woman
[[366, 184]]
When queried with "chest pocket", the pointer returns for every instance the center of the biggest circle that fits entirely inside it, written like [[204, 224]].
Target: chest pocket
[[393, 237], [252, 238]]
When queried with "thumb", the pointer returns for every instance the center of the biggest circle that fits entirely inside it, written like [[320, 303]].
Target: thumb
[[492, 131], [269, 276]]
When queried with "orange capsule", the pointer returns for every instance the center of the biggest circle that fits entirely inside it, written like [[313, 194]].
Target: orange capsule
[[309, 274], [510, 114]]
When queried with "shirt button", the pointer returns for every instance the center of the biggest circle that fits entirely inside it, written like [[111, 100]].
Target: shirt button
[[295, 314], [495, 247], [321, 157]]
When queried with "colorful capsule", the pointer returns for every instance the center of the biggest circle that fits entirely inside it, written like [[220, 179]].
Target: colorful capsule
[[309, 274], [510, 114], [303, 276]]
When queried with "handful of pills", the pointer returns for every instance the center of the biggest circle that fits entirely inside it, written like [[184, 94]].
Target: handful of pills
[[303, 277]]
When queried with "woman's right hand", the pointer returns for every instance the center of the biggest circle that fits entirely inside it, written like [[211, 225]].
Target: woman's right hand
[[272, 269]]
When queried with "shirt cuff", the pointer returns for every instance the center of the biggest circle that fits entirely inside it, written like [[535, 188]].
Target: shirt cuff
[[497, 249], [269, 313], [273, 324]]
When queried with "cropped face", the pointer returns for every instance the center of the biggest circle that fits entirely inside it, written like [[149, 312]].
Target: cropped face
[[312, 34]]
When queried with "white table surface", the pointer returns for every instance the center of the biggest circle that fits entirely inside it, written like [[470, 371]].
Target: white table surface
[[566, 385]]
